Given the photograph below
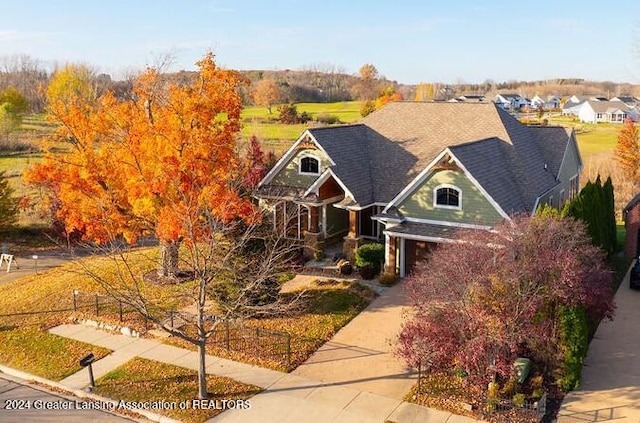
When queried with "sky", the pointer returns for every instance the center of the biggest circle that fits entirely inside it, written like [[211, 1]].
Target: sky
[[407, 41]]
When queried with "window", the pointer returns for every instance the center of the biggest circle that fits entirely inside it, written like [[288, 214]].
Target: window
[[447, 197], [310, 165], [573, 187]]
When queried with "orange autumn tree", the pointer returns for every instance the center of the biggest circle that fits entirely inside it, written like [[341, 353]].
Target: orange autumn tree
[[166, 164], [151, 165]]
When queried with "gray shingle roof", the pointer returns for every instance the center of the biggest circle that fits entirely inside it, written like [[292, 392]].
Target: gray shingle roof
[[381, 156], [429, 230], [553, 141], [608, 106]]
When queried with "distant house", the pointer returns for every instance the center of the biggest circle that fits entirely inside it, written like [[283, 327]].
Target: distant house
[[513, 102], [548, 102], [586, 97], [412, 173], [629, 100], [471, 98], [606, 111]]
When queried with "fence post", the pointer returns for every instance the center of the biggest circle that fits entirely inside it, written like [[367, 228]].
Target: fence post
[[120, 309], [288, 350], [256, 345], [75, 300], [226, 333], [419, 376], [171, 317], [97, 306]]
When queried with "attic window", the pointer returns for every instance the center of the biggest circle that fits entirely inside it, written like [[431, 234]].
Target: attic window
[[309, 166], [448, 197]]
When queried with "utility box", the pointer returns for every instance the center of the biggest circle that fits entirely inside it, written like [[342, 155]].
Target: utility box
[[522, 366]]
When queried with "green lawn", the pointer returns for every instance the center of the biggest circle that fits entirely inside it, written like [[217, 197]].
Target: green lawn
[[278, 137], [346, 111]]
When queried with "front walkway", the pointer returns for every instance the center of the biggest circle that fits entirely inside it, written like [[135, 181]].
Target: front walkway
[[610, 388]]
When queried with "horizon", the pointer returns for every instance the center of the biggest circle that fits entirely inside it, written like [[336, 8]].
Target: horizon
[[456, 43]]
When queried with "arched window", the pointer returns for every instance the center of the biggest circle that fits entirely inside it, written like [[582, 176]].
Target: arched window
[[309, 165], [447, 196]]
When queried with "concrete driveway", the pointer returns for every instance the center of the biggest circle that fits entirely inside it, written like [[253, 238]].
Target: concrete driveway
[[360, 355], [610, 388]]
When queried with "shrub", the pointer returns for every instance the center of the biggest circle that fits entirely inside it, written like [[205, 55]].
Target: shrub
[[371, 255], [367, 272], [574, 339], [388, 279], [288, 114], [518, 399], [327, 119], [510, 387], [367, 108]]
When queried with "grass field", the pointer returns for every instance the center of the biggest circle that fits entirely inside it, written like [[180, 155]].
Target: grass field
[[593, 139], [346, 111]]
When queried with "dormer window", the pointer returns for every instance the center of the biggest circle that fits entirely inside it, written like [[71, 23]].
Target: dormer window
[[447, 197], [309, 166]]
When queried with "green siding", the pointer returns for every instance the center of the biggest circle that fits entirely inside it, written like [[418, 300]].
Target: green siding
[[476, 209], [568, 169], [289, 175], [337, 220]]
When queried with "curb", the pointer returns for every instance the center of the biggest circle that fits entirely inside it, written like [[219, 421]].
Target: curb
[[27, 377]]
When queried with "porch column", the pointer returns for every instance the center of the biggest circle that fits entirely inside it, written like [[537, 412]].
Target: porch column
[[390, 259], [313, 239], [314, 220], [354, 216], [352, 241]]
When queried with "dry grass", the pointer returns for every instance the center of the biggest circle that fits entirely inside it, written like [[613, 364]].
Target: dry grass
[[146, 380]]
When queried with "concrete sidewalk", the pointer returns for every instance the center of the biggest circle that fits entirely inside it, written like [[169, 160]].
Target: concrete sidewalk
[[287, 397], [610, 387]]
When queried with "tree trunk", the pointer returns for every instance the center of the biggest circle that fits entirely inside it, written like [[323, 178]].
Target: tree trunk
[[168, 258], [202, 375]]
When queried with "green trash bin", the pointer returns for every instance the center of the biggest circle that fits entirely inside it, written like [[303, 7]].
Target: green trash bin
[[522, 366]]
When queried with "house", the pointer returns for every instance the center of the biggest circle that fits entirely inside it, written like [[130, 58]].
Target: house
[[472, 98], [631, 217], [572, 106], [629, 100], [548, 102], [606, 111], [586, 97], [412, 173], [512, 102]]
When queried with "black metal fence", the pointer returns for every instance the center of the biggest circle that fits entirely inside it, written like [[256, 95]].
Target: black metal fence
[[534, 410], [229, 334], [236, 335]]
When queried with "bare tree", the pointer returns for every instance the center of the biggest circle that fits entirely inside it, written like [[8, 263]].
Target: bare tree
[[232, 271]]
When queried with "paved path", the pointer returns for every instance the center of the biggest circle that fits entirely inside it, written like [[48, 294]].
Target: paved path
[[27, 265], [610, 388], [360, 355], [28, 395]]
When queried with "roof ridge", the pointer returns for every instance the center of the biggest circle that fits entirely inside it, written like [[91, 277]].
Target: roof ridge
[[345, 125]]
